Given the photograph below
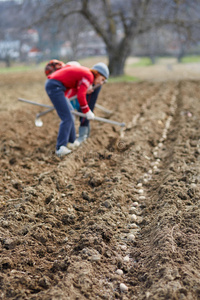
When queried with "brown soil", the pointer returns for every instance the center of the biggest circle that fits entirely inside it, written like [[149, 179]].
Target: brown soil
[[122, 209]]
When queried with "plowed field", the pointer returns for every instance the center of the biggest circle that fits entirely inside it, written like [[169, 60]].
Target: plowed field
[[119, 218]]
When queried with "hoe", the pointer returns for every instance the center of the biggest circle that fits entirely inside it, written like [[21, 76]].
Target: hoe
[[39, 123]]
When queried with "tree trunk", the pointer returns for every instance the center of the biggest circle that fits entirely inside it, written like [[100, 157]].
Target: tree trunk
[[8, 61], [117, 56], [116, 63]]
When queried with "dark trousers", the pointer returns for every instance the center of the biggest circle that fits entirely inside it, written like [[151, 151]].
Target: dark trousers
[[56, 93], [91, 99]]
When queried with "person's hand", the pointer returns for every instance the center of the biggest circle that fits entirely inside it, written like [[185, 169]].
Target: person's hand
[[90, 90], [90, 115]]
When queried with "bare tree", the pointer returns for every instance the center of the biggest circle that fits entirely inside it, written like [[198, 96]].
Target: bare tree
[[117, 22]]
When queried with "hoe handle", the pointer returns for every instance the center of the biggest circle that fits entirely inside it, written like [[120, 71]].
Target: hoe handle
[[73, 112], [98, 119], [35, 103]]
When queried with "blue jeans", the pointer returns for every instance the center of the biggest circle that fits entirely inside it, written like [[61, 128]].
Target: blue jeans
[[56, 92]]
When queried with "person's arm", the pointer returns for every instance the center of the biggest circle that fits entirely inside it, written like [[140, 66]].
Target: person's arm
[[81, 95]]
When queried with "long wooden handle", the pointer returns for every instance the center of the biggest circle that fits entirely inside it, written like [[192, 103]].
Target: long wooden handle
[[73, 112]]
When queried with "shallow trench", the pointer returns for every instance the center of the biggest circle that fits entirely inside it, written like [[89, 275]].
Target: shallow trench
[[169, 238]]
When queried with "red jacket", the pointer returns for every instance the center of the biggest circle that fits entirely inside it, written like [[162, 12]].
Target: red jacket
[[77, 78]]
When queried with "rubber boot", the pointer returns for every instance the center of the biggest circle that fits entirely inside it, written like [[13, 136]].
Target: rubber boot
[[84, 132]]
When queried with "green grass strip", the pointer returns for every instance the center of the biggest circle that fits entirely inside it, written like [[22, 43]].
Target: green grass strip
[[143, 62], [191, 59], [123, 78]]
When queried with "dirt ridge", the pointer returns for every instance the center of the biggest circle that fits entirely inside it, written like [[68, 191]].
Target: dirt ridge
[[116, 219]]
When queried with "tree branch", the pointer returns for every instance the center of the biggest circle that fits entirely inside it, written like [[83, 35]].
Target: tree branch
[[93, 21]]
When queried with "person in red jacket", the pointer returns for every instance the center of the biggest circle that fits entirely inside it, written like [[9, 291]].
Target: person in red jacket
[[81, 80]]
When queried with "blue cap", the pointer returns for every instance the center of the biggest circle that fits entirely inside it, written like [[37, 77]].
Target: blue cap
[[102, 69]]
